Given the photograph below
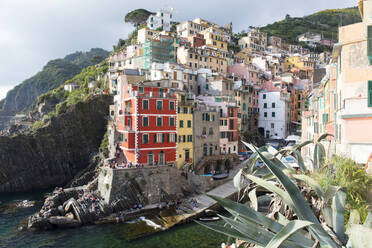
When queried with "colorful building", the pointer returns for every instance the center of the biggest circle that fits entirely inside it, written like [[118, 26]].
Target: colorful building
[[185, 143], [255, 41], [147, 123]]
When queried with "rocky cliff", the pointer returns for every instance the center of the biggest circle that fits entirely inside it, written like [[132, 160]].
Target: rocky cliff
[[55, 153]]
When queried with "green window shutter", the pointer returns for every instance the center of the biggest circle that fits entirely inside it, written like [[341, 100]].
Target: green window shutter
[[370, 93], [369, 43]]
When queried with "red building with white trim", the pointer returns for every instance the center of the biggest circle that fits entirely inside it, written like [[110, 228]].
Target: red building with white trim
[[147, 123]]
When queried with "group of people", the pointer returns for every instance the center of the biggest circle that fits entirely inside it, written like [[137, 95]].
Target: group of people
[[47, 208], [90, 202]]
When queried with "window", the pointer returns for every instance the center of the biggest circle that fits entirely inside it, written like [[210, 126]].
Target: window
[[196, 65], [155, 138], [273, 114], [183, 138], [189, 138], [145, 138], [185, 110], [265, 105], [214, 43], [272, 125], [370, 91], [273, 105], [189, 123], [204, 131], [159, 105], [145, 104], [190, 64], [145, 121], [159, 121], [265, 114], [196, 56], [171, 121], [171, 105], [181, 123], [244, 106], [264, 96], [210, 131], [140, 89]]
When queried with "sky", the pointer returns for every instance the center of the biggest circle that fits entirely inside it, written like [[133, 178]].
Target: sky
[[32, 32]]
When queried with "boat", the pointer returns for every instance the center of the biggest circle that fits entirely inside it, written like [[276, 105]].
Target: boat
[[206, 219], [220, 176]]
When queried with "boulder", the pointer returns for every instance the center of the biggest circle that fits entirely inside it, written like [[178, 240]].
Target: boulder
[[63, 222]]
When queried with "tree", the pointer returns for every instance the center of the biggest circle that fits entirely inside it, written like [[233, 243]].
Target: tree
[[96, 59], [287, 16], [137, 17]]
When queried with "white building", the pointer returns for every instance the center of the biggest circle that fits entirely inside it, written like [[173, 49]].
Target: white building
[[71, 86], [274, 114], [311, 39], [162, 19]]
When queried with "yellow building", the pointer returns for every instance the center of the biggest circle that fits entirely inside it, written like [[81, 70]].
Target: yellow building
[[299, 62], [254, 41], [202, 57], [214, 38], [185, 131]]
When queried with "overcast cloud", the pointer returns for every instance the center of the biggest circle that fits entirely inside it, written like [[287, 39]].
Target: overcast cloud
[[32, 32]]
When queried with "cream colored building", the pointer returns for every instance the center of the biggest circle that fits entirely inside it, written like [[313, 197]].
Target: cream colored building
[[202, 58], [254, 41]]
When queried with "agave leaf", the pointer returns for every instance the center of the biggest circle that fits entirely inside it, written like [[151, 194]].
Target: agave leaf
[[300, 206], [238, 209], [311, 182], [330, 192], [287, 231], [338, 208], [303, 144], [273, 188], [327, 215], [253, 198], [300, 161], [249, 229], [237, 180], [360, 236], [281, 218], [354, 218], [230, 232], [368, 221], [323, 136]]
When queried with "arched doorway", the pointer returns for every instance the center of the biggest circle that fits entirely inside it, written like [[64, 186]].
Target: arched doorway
[[161, 158], [227, 166], [207, 169]]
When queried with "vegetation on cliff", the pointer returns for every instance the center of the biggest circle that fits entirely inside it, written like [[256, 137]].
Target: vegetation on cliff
[[325, 22], [53, 74], [62, 99]]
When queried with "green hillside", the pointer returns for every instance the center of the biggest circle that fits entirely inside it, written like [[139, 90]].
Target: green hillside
[[325, 22], [54, 73]]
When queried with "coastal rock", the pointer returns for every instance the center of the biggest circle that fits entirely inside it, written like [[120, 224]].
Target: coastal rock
[[54, 154], [63, 222]]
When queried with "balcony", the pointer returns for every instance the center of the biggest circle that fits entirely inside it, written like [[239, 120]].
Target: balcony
[[154, 95]]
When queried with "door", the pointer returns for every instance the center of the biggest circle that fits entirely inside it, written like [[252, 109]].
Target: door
[[187, 155], [150, 158], [210, 150], [161, 158]]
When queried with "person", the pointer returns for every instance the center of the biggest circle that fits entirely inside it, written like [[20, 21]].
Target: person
[[122, 217], [117, 219]]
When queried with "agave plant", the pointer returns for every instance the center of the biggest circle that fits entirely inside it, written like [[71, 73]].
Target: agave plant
[[306, 227]]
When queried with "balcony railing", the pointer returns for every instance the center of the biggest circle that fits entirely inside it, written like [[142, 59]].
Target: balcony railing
[[153, 94]]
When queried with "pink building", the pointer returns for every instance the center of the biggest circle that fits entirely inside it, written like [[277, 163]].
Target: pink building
[[326, 42], [243, 71]]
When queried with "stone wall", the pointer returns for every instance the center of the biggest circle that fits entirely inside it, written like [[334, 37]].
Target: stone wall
[[150, 185]]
